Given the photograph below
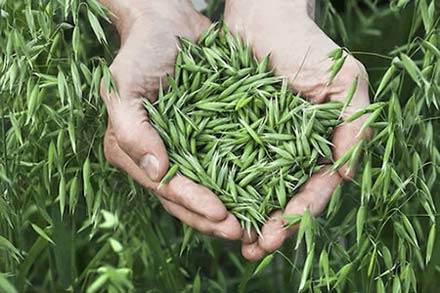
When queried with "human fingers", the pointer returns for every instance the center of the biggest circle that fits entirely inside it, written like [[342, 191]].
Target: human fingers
[[229, 228], [314, 195], [179, 189]]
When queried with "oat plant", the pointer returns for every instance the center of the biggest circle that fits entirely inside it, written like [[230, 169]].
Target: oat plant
[[70, 222]]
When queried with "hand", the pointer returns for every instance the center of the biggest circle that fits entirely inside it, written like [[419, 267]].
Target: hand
[[299, 51], [148, 31]]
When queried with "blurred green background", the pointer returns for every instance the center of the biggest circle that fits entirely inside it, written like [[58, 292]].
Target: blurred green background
[[70, 222]]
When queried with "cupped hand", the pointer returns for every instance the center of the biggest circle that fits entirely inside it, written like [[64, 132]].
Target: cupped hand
[[299, 51], [148, 31]]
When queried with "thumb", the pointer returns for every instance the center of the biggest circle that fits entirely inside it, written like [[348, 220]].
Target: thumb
[[135, 135], [138, 138]]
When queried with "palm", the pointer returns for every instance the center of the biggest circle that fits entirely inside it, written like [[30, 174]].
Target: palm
[[146, 55], [148, 52]]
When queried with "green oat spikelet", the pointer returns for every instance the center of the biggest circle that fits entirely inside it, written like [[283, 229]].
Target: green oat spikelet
[[241, 150]]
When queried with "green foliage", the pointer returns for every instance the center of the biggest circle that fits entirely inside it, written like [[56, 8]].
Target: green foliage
[[69, 221]]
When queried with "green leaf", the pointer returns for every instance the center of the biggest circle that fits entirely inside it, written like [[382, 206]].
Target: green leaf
[[350, 94], [76, 79], [196, 287], [111, 221], [61, 83], [42, 233], [10, 248], [87, 184], [387, 258], [336, 67], [76, 41], [412, 69], [97, 284], [72, 136], [96, 26], [324, 264], [409, 228], [396, 285], [264, 263], [34, 252], [342, 274], [385, 80], [307, 268], [380, 287], [62, 194], [431, 48], [116, 245], [169, 175], [73, 194], [360, 220], [281, 194], [430, 244], [5, 285]]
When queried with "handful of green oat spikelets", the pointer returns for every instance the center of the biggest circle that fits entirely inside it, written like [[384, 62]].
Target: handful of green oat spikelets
[[232, 126]]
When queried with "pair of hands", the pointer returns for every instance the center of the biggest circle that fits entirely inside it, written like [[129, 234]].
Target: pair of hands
[[299, 51]]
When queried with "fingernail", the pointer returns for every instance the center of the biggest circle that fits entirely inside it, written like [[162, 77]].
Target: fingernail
[[150, 164]]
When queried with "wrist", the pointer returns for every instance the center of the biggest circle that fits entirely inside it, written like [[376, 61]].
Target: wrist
[[301, 7], [124, 12], [120, 11]]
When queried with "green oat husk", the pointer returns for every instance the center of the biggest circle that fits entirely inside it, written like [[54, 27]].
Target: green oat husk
[[236, 129]]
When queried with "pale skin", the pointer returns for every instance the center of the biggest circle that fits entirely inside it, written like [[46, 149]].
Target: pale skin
[[148, 31], [299, 51]]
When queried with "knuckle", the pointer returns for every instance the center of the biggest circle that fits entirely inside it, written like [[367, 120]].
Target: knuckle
[[126, 140], [110, 148], [204, 228], [200, 224], [124, 137], [300, 203], [235, 234], [166, 207], [352, 68], [133, 80], [251, 253]]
